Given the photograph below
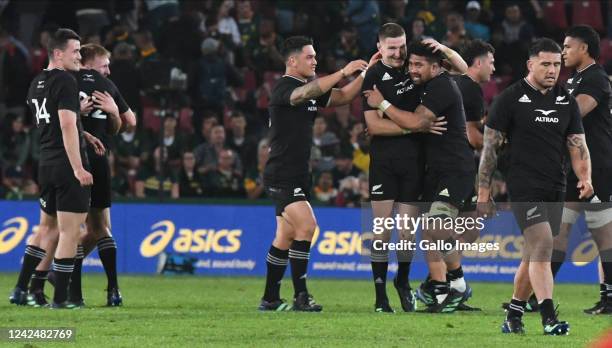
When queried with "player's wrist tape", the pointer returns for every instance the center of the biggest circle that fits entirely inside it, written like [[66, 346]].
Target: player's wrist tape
[[384, 105], [342, 72], [406, 131], [363, 73]]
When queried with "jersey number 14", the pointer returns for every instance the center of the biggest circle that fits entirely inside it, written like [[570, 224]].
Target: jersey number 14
[[41, 111]]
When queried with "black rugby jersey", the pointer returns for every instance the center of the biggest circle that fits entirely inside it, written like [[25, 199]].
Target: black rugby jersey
[[593, 81], [451, 150], [50, 91], [290, 132], [398, 89], [97, 121], [537, 126], [473, 98]]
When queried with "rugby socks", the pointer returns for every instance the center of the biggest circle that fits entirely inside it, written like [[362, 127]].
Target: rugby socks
[[547, 310], [107, 250], [606, 264], [276, 264], [558, 256], [439, 289], [76, 292], [38, 281], [380, 264], [516, 309], [32, 257], [404, 259], [63, 269], [456, 279], [403, 273], [299, 253]]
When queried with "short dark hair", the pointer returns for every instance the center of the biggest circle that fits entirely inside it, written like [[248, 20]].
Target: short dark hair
[[390, 30], [294, 44], [90, 51], [543, 45], [474, 49], [60, 38], [418, 48], [588, 35]]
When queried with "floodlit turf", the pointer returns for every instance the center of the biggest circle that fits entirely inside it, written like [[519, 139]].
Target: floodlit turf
[[201, 311]]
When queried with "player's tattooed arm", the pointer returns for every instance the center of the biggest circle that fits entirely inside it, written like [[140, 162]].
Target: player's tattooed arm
[[492, 142], [581, 163], [322, 85]]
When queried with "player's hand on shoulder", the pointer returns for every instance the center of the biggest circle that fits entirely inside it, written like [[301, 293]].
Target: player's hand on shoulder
[[355, 66], [105, 102], [84, 177]]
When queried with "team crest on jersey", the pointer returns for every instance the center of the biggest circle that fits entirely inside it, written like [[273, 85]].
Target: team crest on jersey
[[562, 100]]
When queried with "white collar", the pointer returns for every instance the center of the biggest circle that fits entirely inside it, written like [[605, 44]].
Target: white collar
[[586, 67], [302, 81]]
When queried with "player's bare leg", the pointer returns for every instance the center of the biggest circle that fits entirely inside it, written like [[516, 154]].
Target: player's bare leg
[[98, 233], [34, 254], [276, 264], [404, 259], [599, 223], [47, 237], [301, 217], [69, 229]]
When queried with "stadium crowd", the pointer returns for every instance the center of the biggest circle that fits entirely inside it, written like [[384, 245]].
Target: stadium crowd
[[199, 74]]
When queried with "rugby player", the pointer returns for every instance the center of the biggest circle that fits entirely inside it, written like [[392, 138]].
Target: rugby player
[[293, 107], [541, 121], [53, 98], [448, 158]]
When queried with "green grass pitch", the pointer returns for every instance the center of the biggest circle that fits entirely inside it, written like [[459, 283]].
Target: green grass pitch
[[202, 311]]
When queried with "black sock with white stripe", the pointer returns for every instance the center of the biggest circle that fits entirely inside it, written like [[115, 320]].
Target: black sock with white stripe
[[276, 264], [38, 281], [76, 292], [299, 253], [516, 309], [107, 249], [31, 258], [380, 264], [63, 269]]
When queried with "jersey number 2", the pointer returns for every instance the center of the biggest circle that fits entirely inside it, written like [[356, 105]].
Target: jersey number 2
[[41, 111]]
